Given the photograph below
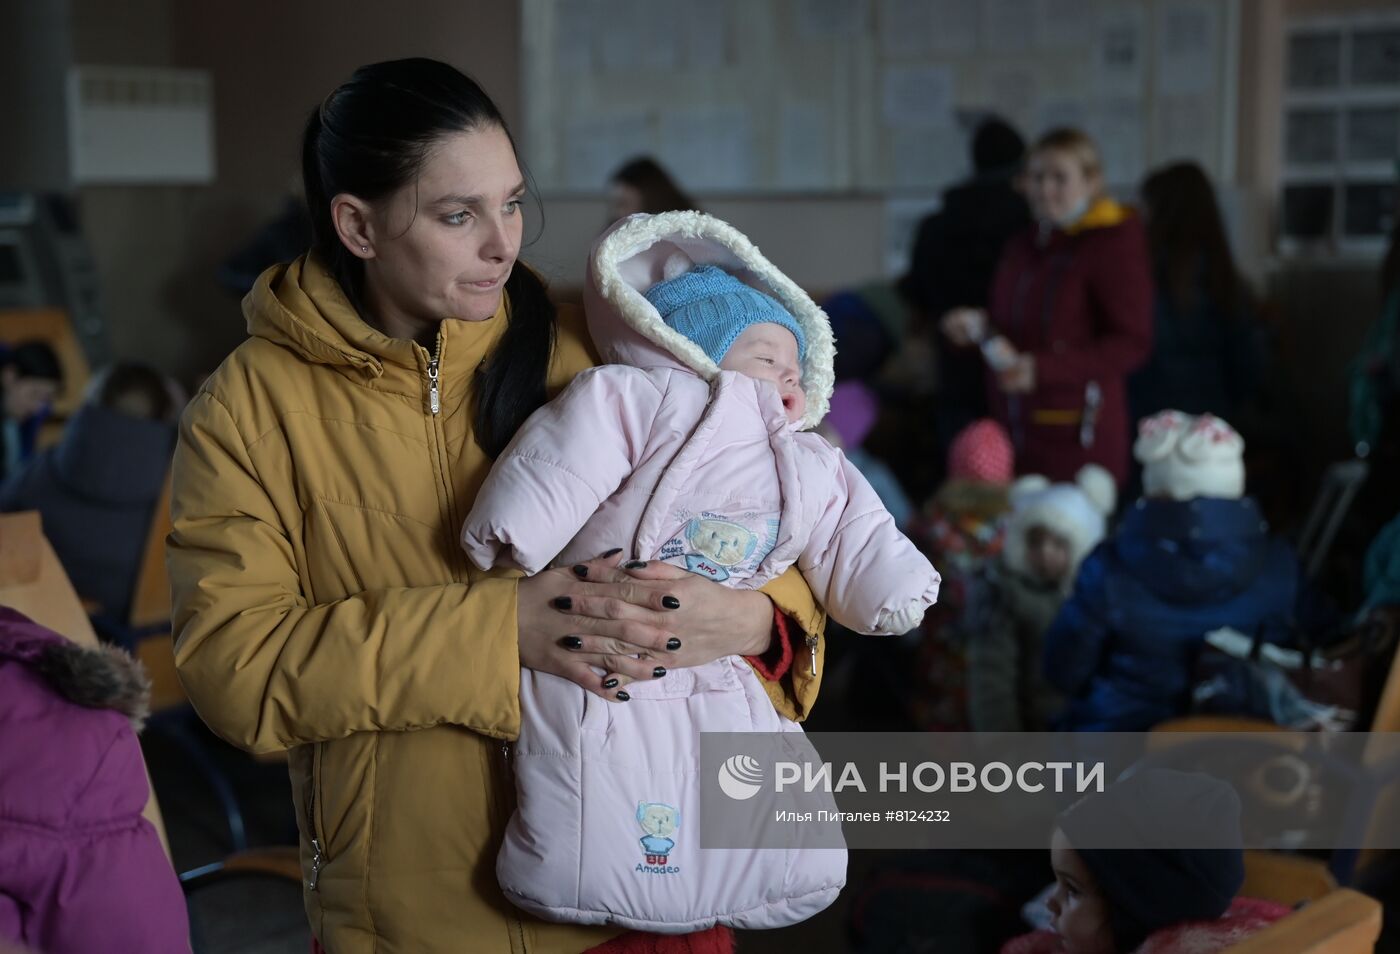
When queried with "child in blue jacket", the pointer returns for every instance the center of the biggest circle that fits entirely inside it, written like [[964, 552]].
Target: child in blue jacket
[[1193, 555]]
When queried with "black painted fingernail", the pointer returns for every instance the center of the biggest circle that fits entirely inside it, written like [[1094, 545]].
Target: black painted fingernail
[[612, 553], [673, 644], [670, 602], [622, 695], [658, 672], [634, 565], [562, 602], [571, 642], [609, 683], [580, 570]]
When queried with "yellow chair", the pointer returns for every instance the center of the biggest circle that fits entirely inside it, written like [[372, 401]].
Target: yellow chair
[[150, 609], [1285, 879]]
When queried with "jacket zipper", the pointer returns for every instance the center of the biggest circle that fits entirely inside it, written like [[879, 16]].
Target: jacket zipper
[[503, 802], [812, 649], [317, 850], [434, 397]]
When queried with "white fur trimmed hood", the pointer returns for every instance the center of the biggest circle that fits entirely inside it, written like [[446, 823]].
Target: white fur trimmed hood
[[631, 257]]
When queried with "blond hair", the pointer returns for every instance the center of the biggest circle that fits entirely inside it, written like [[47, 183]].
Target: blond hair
[[1077, 144]]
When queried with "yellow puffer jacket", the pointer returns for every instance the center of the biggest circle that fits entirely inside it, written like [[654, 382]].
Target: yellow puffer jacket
[[322, 605]]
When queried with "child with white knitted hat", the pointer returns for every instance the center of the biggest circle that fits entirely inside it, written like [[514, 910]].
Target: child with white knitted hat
[[1051, 529], [1193, 555]]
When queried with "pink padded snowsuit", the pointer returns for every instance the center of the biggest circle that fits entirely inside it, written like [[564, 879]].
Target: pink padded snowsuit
[[664, 454]]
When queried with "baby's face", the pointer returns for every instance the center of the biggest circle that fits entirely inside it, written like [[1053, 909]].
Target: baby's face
[[1047, 553], [768, 352], [1079, 913]]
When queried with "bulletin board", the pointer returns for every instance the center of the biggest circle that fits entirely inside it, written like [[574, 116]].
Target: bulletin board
[[867, 96]]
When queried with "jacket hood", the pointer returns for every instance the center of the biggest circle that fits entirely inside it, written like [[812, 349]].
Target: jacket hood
[[631, 257], [302, 308], [113, 458], [104, 677], [1194, 552]]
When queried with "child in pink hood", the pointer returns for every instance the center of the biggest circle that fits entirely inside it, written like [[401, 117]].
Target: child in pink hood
[[690, 446], [80, 869]]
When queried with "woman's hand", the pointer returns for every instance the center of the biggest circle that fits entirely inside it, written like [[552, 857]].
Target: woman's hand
[[1019, 376], [634, 622], [964, 327]]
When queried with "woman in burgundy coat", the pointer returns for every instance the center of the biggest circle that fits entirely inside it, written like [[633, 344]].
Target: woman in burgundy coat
[[1069, 317]]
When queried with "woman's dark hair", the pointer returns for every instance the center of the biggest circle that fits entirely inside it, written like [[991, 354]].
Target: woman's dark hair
[[135, 389], [658, 190], [1190, 251], [33, 359], [369, 138]]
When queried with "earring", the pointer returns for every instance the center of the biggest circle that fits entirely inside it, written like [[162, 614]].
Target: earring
[[364, 248]]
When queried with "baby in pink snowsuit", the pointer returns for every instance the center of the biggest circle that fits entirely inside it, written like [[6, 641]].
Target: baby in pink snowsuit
[[691, 444]]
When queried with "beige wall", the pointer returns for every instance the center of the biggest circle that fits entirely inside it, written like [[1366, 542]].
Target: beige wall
[[157, 247]]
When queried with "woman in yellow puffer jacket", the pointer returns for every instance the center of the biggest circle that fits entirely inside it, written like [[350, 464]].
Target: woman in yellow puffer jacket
[[322, 604]]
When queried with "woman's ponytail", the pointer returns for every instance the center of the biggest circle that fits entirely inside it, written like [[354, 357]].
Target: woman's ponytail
[[511, 385]]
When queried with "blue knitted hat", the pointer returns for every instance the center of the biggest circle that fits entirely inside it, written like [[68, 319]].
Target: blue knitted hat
[[712, 308]]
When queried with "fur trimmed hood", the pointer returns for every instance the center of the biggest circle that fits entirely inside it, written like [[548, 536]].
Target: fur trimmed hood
[[103, 677], [632, 256]]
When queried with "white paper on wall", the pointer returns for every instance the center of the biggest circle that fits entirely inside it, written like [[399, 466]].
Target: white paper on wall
[[955, 26], [709, 147], [1118, 129], [573, 37], [1011, 93], [660, 40], [705, 44], [927, 157], [918, 95], [632, 35], [804, 146], [1188, 47], [1064, 23], [1008, 25], [1119, 54], [618, 35], [828, 19], [906, 27], [1187, 129], [594, 148], [1058, 112]]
